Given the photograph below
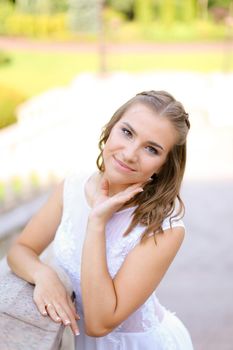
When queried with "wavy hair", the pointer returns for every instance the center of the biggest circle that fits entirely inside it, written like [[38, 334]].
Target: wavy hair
[[158, 200]]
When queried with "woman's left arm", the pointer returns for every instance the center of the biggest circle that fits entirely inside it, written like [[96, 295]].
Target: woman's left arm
[[108, 302]]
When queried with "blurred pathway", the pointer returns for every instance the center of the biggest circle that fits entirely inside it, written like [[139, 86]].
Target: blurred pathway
[[12, 43], [198, 286]]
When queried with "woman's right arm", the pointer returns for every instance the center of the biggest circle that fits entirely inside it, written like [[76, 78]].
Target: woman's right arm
[[23, 256], [23, 259]]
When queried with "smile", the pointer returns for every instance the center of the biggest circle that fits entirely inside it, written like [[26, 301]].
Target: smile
[[122, 165]]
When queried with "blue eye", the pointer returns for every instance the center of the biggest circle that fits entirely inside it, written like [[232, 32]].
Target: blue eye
[[152, 150], [126, 132]]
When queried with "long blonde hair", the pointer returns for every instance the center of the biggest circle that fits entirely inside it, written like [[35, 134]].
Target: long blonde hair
[[158, 200]]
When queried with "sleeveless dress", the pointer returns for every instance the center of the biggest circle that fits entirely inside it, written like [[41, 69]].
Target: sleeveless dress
[[151, 326]]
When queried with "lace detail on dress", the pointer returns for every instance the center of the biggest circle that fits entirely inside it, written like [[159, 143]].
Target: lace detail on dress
[[118, 250], [165, 336], [166, 339], [149, 317], [114, 339]]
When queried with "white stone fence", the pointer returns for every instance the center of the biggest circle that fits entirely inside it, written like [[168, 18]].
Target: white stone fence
[[22, 326]]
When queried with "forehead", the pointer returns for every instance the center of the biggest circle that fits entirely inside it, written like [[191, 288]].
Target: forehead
[[149, 125]]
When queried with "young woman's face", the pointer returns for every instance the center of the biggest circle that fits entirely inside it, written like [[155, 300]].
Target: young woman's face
[[137, 146]]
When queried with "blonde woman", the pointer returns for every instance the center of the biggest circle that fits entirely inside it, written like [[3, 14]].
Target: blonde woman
[[115, 233]]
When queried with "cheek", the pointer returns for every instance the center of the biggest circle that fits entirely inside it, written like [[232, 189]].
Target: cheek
[[112, 144]]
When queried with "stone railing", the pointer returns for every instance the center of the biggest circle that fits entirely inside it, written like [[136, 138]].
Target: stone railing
[[22, 326]]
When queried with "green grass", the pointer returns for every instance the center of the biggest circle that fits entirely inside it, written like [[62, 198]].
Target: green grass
[[193, 31], [33, 72], [206, 62]]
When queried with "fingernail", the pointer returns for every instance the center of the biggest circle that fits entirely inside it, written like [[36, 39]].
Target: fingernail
[[77, 332], [58, 318], [67, 322], [44, 313]]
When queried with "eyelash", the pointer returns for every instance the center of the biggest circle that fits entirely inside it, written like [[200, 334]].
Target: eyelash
[[126, 132], [150, 149], [153, 150]]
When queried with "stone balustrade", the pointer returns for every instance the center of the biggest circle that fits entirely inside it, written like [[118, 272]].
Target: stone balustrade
[[22, 326]]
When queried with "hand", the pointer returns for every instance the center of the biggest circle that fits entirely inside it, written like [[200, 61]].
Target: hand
[[104, 206], [52, 299]]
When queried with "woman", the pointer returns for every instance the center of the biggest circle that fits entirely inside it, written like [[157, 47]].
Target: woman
[[116, 233]]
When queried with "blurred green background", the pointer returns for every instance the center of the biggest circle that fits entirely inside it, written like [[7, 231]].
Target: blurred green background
[[120, 23]]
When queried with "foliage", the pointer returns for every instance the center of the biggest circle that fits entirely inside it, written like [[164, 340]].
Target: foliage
[[167, 11], [2, 192], [34, 180], [17, 185], [125, 7], [42, 6], [35, 26], [143, 11], [4, 58], [9, 100], [176, 32], [6, 10], [189, 10], [219, 3], [62, 18]]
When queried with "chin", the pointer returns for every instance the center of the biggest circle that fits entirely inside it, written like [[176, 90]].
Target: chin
[[114, 176]]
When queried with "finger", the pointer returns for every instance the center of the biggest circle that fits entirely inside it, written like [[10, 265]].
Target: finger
[[125, 196], [62, 314], [72, 306], [67, 317], [40, 306], [134, 186], [52, 313]]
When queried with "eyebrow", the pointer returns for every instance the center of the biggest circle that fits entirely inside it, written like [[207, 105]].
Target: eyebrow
[[150, 142]]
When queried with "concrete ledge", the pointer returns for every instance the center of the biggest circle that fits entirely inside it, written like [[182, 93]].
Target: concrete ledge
[[22, 326]]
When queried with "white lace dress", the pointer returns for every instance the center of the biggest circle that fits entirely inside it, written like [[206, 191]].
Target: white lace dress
[[151, 326]]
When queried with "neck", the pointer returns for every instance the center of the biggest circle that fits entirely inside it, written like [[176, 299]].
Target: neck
[[114, 188]]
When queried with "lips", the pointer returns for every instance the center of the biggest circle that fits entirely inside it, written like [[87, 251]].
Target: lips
[[122, 164]]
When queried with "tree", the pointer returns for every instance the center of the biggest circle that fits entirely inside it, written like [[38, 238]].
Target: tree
[[168, 11], [143, 10], [189, 10]]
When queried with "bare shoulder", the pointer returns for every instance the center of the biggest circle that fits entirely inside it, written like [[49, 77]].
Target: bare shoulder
[[163, 247], [170, 238]]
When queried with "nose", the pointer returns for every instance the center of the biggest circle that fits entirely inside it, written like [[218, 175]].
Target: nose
[[130, 154]]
